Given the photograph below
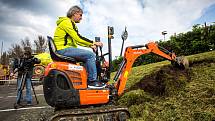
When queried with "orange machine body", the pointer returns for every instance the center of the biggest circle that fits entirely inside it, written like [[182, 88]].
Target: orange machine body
[[77, 77]]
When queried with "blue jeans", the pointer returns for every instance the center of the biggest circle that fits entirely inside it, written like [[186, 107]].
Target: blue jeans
[[86, 56], [28, 89]]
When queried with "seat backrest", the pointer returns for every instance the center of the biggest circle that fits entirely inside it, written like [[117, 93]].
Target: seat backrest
[[52, 48], [54, 55]]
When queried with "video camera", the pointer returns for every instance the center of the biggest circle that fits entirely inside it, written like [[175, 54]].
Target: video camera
[[27, 64]]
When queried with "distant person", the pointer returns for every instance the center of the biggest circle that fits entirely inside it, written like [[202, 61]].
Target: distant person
[[67, 38], [23, 66]]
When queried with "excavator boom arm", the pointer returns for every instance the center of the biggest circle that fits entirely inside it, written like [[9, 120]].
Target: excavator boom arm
[[131, 54]]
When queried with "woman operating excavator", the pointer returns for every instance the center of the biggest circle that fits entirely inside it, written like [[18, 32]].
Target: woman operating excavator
[[67, 38]]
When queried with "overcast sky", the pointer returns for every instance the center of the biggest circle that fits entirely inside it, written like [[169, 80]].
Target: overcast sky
[[144, 19]]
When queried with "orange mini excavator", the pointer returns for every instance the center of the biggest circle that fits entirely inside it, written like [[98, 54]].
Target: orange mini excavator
[[65, 83]]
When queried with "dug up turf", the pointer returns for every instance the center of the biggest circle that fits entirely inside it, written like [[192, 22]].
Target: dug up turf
[[174, 94]]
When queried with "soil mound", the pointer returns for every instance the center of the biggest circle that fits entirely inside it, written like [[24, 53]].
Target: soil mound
[[165, 81]]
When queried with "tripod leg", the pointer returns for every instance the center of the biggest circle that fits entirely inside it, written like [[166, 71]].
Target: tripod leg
[[34, 93], [20, 87]]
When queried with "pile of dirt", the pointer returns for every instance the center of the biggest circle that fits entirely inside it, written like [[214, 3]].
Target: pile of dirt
[[166, 81]]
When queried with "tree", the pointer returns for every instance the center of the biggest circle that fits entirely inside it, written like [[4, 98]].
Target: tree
[[40, 44], [15, 51], [4, 59], [26, 44]]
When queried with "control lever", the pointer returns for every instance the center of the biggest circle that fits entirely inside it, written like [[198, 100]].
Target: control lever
[[97, 39]]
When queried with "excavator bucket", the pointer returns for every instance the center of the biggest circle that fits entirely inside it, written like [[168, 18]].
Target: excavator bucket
[[181, 62]]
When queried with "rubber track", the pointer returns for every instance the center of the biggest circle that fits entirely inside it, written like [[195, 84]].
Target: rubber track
[[106, 113]]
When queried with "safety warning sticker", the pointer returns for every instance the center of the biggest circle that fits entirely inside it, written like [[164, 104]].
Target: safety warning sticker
[[75, 67]]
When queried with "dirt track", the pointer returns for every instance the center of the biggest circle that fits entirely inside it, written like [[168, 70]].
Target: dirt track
[[36, 112]]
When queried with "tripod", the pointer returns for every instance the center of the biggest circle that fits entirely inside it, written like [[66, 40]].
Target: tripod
[[20, 89]]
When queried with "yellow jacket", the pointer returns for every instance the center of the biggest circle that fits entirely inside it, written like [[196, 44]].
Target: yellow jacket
[[66, 35]]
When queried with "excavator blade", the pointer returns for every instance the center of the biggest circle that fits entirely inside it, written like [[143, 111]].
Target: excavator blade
[[181, 62], [104, 113]]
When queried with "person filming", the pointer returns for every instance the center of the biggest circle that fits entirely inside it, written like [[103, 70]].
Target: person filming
[[24, 66]]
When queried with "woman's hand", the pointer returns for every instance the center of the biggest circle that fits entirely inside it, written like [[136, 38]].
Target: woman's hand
[[95, 45], [98, 44]]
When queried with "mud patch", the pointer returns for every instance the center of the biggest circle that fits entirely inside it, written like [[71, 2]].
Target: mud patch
[[166, 81]]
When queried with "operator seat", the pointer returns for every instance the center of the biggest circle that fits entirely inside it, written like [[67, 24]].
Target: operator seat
[[55, 56]]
